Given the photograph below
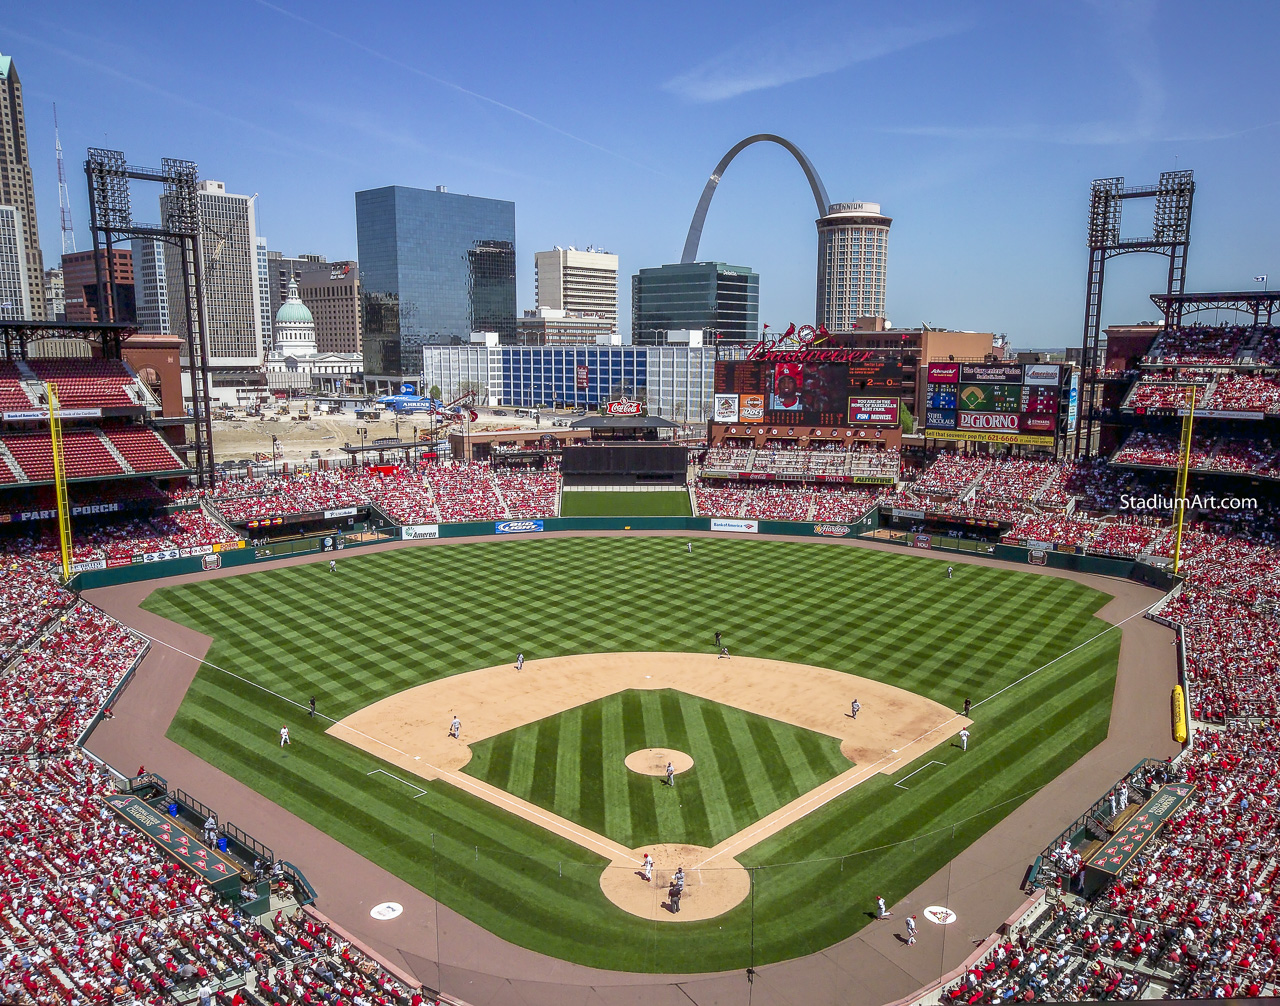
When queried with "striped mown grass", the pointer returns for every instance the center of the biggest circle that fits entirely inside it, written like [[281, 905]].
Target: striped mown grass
[[390, 620], [604, 503], [744, 766]]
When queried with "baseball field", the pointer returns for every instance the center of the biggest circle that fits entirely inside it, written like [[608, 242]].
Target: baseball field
[[1026, 649], [606, 503]]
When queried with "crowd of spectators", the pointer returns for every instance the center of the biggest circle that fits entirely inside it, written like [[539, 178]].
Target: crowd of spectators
[[727, 498], [1233, 392], [1199, 345]]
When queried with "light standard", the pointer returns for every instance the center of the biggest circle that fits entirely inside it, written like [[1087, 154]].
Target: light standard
[[275, 447], [364, 432]]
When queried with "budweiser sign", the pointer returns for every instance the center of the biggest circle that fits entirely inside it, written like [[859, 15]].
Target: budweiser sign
[[797, 345], [988, 421], [623, 407]]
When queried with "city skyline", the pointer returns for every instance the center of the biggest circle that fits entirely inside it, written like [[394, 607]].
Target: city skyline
[[976, 135]]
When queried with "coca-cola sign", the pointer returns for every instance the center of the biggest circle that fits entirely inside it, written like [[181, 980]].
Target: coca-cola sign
[[623, 407], [987, 421]]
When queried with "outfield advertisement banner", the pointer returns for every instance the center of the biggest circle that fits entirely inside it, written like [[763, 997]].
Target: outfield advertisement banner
[[874, 411], [516, 526], [742, 526], [726, 408], [415, 532], [1042, 373], [990, 373], [922, 541], [346, 511], [1034, 440], [944, 373], [832, 530]]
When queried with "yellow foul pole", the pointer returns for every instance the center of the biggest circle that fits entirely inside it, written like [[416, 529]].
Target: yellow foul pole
[[59, 479], [1184, 474]]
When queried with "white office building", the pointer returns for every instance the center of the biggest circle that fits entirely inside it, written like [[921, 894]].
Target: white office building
[[151, 289], [853, 251], [15, 289], [582, 283]]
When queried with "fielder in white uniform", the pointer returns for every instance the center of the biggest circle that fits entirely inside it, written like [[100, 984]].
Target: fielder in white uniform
[[284, 736]]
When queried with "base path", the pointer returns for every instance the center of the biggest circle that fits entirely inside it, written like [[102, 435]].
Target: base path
[[411, 730]]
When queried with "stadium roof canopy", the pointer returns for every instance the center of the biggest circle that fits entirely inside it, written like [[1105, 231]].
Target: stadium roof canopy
[[623, 423], [1259, 303]]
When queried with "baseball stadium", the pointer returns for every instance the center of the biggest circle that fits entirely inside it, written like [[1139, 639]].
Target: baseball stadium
[[816, 702]]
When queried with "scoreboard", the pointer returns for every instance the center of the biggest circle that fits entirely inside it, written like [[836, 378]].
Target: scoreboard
[[862, 391], [998, 403]]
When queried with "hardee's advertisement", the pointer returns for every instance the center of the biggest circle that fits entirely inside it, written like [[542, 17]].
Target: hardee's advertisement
[[751, 408]]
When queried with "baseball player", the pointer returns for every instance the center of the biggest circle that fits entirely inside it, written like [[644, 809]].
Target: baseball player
[[455, 728], [647, 867], [333, 565], [519, 661], [284, 736], [671, 774], [964, 738], [911, 930], [691, 548], [949, 572], [724, 652], [881, 911], [854, 706]]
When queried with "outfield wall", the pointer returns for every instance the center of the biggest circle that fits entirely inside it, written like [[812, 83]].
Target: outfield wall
[[865, 529]]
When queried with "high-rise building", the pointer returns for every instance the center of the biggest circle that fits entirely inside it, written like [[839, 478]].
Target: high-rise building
[[584, 283], [264, 291], [15, 288], [17, 190], [722, 301], [55, 296], [229, 260], [332, 294], [853, 250], [80, 282], [150, 288], [435, 266]]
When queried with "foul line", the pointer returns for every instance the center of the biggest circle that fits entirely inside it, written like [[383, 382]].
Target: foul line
[[917, 772], [1128, 618], [421, 792]]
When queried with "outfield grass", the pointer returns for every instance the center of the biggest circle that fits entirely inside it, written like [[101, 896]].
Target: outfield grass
[[390, 620], [605, 503], [744, 766]]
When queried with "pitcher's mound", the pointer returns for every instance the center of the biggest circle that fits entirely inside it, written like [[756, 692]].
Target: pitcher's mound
[[709, 890], [653, 761]]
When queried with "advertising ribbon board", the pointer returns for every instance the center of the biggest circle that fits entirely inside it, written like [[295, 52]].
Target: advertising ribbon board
[[744, 526], [1034, 440], [222, 874], [1130, 840]]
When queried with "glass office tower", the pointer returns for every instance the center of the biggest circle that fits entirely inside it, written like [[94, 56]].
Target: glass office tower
[[435, 266], [720, 300]]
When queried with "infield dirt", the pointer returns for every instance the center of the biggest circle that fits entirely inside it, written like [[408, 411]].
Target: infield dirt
[[411, 731]]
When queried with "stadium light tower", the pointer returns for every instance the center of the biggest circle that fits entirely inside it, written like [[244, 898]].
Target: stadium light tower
[[1170, 236]]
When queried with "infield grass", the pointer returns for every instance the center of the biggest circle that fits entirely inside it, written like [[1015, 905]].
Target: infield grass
[[607, 503], [387, 621], [573, 764]]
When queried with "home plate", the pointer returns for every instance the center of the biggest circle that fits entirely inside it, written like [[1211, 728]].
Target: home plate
[[386, 911]]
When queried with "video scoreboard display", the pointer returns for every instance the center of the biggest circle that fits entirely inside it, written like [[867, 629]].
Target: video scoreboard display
[[863, 390], [998, 403]]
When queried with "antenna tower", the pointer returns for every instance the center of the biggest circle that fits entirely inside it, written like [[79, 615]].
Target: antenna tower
[[64, 197]]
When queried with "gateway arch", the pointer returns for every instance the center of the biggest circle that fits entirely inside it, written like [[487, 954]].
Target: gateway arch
[[852, 244], [700, 214]]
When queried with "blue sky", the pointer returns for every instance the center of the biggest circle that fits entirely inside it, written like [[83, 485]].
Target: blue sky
[[977, 126]]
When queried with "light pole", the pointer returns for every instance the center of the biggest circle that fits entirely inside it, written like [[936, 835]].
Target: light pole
[[363, 431], [275, 444]]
